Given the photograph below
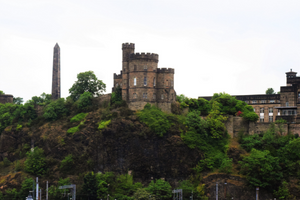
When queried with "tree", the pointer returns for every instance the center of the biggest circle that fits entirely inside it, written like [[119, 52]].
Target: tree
[[160, 188], [270, 91], [36, 162], [18, 100], [90, 186], [86, 82], [1, 92]]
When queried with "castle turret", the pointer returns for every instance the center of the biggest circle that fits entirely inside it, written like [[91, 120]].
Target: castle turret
[[56, 73]]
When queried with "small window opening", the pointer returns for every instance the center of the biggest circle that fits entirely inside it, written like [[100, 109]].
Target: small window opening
[[145, 81], [134, 81]]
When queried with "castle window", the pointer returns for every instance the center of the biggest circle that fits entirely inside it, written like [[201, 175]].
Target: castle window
[[272, 101], [263, 101], [145, 67], [134, 81], [145, 81], [144, 95], [154, 82], [154, 96], [162, 96], [117, 85], [287, 104], [134, 95], [134, 68], [271, 119], [254, 101], [270, 110], [261, 110]]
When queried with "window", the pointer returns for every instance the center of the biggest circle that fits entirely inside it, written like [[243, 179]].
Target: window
[[254, 101], [117, 85], [154, 96], [145, 67], [154, 82], [270, 118], [261, 110], [134, 81], [145, 81], [270, 110], [254, 109], [261, 119], [272, 101], [134, 95], [144, 95], [287, 104], [162, 96], [263, 101]]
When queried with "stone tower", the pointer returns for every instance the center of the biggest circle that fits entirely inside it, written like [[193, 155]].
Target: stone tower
[[143, 82], [56, 73]]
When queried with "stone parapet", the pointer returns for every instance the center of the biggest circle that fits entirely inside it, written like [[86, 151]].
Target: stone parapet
[[6, 98]]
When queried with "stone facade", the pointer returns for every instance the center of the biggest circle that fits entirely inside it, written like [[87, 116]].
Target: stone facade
[[56, 73], [142, 82], [6, 98]]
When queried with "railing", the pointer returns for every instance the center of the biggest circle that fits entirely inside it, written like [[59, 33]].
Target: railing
[[288, 118]]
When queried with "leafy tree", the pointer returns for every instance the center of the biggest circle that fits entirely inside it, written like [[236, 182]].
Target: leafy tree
[[86, 82], [25, 188], [11, 194], [43, 99], [116, 96], [55, 193], [55, 110], [85, 100], [18, 100], [35, 163], [104, 184], [215, 120], [142, 194], [160, 188], [1, 92], [261, 169], [187, 188], [154, 118], [283, 191], [90, 186], [270, 91], [125, 187]]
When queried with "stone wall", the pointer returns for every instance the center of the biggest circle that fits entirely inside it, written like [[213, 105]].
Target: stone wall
[[6, 98]]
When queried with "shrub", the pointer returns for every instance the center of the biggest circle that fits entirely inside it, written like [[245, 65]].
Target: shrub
[[56, 110], [19, 127], [226, 166], [160, 188], [155, 119], [85, 100], [35, 163], [6, 162], [73, 130], [18, 166], [79, 117], [103, 124], [67, 163]]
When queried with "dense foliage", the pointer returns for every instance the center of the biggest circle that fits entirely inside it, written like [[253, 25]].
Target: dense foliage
[[86, 82], [35, 163]]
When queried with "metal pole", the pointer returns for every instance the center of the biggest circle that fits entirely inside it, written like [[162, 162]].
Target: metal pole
[[47, 190], [225, 190], [40, 194], [257, 193], [37, 188], [217, 191]]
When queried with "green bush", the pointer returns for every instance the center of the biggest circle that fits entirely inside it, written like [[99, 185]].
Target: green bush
[[155, 119], [79, 117], [19, 127], [67, 163], [35, 163], [85, 100], [56, 110], [73, 130], [160, 188], [103, 124], [6, 162], [18, 166], [226, 166]]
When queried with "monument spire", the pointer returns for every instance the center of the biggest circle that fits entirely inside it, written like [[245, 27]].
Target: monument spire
[[56, 73]]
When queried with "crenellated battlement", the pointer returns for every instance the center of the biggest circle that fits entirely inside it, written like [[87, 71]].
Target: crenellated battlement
[[127, 46], [118, 76], [144, 56], [165, 70]]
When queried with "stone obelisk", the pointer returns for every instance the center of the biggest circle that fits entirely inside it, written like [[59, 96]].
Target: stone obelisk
[[56, 73]]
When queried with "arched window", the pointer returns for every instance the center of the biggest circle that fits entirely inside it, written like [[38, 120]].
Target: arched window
[[134, 95], [145, 81], [154, 82], [145, 67], [134, 81]]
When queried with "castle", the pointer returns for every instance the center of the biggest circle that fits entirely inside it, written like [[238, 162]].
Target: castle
[[142, 82]]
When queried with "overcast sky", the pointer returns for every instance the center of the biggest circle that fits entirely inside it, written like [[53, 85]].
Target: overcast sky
[[233, 46]]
